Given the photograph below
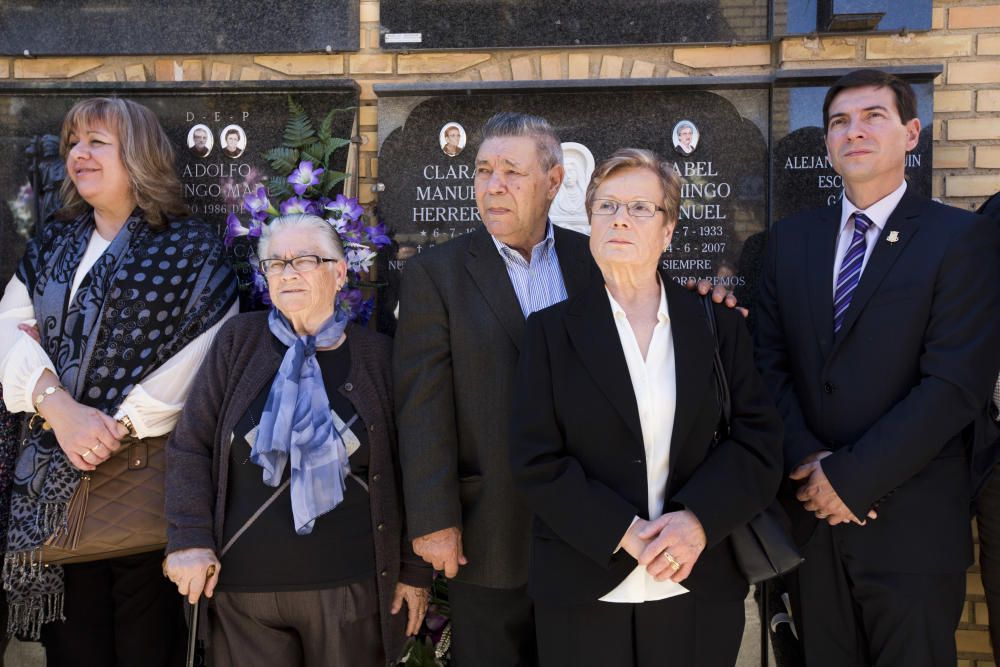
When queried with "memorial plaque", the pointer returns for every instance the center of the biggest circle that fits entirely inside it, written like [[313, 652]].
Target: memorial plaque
[[714, 134], [805, 17], [103, 27], [219, 133], [471, 24]]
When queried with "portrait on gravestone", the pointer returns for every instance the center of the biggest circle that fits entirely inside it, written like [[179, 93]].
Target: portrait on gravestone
[[685, 137], [452, 139], [200, 140], [569, 208], [428, 198], [234, 141]]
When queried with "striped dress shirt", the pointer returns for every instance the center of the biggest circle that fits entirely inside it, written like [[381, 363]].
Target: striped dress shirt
[[538, 283]]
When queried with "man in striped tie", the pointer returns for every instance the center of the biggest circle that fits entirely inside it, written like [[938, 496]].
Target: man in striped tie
[[877, 336]]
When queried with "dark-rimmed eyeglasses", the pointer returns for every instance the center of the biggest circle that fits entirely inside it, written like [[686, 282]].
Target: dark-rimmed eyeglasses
[[636, 209], [300, 264]]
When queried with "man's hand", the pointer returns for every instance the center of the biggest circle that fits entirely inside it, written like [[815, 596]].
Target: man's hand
[[195, 571], [719, 292], [442, 549], [818, 496], [676, 542]]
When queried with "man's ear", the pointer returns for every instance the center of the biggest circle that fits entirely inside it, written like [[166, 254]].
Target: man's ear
[[555, 176], [912, 133]]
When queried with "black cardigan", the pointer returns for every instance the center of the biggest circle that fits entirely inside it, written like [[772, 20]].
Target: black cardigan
[[244, 359]]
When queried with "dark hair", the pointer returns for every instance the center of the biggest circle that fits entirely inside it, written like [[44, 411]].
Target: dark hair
[[906, 100], [233, 131], [513, 124], [145, 151]]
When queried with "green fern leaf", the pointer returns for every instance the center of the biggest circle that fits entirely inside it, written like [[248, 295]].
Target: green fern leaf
[[299, 130], [283, 160]]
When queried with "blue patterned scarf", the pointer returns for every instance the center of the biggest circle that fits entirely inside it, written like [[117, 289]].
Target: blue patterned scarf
[[297, 424], [149, 294]]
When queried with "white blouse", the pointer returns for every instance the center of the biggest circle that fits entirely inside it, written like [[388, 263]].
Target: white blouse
[[153, 405], [654, 382]]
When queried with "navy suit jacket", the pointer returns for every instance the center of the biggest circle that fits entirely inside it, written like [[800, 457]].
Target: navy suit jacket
[[893, 392]]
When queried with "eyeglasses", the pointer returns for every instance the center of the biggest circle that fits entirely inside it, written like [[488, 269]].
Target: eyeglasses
[[636, 209], [300, 264]]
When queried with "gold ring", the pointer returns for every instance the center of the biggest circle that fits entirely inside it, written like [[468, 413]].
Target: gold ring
[[84, 455], [674, 564]]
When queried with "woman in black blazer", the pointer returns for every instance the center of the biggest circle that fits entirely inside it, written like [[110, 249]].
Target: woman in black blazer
[[615, 413]]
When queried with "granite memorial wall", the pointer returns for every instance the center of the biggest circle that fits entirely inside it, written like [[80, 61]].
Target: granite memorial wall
[[219, 131], [748, 151], [102, 27]]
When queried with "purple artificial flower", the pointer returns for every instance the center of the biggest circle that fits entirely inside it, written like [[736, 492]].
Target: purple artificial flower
[[256, 227], [296, 205], [377, 235], [257, 203], [234, 230], [304, 177], [345, 207], [259, 289], [348, 300], [364, 311], [349, 230]]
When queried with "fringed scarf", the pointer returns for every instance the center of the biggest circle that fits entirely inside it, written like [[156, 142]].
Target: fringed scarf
[[150, 294]]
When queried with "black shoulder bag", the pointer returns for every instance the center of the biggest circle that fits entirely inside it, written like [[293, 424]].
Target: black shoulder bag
[[764, 549]]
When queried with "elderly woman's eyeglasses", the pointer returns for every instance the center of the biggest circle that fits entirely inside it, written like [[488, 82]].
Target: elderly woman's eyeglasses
[[301, 264], [636, 209]]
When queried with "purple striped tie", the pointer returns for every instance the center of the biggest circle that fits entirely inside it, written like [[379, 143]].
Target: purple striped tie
[[850, 270]]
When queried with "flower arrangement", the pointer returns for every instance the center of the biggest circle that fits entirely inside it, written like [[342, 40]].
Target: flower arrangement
[[303, 183], [432, 645]]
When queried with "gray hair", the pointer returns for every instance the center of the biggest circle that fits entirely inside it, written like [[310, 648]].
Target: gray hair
[[513, 124], [324, 229], [684, 124]]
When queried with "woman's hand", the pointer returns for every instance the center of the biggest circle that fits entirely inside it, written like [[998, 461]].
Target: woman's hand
[[32, 331], [677, 541], [85, 434], [416, 605], [195, 571]]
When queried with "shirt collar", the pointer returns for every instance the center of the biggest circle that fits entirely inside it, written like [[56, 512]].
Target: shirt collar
[[545, 244], [662, 314], [878, 212]]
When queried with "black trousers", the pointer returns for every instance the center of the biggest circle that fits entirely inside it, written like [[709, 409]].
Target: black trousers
[[850, 615], [120, 612], [988, 524], [682, 631], [491, 627]]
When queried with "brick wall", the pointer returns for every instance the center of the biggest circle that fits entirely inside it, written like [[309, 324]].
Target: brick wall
[[965, 37]]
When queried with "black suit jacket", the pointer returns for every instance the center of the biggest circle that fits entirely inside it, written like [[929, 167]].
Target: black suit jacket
[[456, 347], [892, 392], [577, 451]]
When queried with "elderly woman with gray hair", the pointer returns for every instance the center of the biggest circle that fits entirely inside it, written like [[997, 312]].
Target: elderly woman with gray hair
[[283, 489]]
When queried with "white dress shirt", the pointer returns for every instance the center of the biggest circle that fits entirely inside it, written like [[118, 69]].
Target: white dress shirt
[[153, 405], [654, 382], [878, 213]]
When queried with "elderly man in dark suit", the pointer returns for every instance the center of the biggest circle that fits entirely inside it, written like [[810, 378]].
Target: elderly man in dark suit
[[462, 310], [877, 337]]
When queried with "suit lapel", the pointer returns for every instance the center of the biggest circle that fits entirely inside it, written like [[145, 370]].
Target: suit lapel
[[692, 360], [821, 250], [903, 222], [488, 272], [575, 261], [592, 330]]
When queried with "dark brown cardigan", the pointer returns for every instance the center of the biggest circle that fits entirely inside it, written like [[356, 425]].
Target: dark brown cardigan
[[242, 361]]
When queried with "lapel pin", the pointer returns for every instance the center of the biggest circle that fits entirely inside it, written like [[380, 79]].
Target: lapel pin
[[893, 237]]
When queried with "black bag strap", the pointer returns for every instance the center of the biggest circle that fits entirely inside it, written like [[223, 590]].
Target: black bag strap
[[721, 383]]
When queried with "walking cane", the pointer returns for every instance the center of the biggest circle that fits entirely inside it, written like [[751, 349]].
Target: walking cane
[[765, 624], [192, 644]]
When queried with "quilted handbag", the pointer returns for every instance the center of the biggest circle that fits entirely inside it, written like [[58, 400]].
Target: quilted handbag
[[118, 509]]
